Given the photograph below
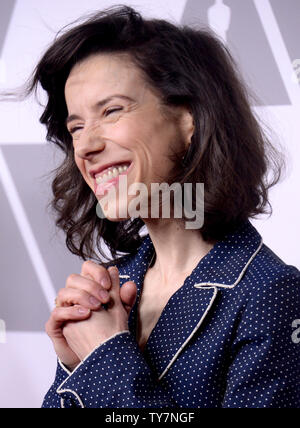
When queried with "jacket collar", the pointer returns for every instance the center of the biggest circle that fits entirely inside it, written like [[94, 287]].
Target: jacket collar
[[223, 267]]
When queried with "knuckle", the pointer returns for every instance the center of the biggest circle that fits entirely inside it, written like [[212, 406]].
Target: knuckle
[[61, 293], [55, 315], [93, 269], [70, 279], [88, 267], [87, 264]]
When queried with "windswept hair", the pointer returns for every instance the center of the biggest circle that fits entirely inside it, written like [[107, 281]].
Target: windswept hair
[[188, 67]]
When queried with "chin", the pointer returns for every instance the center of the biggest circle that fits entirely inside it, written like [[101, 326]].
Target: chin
[[111, 212]]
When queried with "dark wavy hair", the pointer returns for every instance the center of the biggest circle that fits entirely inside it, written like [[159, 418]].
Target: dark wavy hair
[[188, 67]]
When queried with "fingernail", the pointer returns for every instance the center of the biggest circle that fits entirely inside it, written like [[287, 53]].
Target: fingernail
[[83, 311], [103, 294], [94, 301], [105, 282]]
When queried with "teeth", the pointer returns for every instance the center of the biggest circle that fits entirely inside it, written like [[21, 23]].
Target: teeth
[[112, 172]]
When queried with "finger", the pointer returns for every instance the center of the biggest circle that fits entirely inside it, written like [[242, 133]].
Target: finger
[[61, 315], [73, 296], [115, 280], [115, 288], [91, 287], [96, 272], [128, 294]]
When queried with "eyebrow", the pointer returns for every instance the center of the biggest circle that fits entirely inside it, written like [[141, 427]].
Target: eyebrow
[[98, 105]]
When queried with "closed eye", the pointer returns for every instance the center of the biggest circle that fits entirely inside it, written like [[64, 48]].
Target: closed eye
[[112, 110], [107, 112], [73, 130]]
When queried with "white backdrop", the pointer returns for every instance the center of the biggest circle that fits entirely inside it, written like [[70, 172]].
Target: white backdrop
[[34, 263]]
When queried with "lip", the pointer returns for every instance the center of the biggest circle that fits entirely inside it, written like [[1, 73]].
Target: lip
[[113, 181], [102, 168]]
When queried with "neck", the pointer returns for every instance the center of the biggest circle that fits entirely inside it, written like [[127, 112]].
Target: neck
[[178, 250]]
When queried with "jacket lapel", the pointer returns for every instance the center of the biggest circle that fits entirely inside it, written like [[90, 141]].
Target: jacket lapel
[[182, 317], [135, 270], [179, 322]]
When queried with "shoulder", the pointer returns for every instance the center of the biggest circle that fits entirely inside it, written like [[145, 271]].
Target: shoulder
[[268, 270], [269, 310], [271, 285]]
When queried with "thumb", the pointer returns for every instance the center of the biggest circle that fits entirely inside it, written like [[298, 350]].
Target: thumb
[[128, 293]]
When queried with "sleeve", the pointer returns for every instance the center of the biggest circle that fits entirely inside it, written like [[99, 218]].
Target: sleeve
[[265, 369], [52, 399], [114, 375]]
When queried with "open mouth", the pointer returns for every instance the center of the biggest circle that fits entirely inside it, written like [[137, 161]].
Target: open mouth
[[110, 177], [112, 172]]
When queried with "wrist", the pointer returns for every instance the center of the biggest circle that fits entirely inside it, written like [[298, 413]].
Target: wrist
[[72, 368], [89, 349], [69, 367]]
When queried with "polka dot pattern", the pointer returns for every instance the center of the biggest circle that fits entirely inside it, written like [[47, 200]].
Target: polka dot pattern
[[225, 338]]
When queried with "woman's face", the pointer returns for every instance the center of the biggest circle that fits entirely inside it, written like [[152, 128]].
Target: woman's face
[[116, 121]]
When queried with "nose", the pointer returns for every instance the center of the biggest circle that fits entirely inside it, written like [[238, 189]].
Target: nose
[[88, 145]]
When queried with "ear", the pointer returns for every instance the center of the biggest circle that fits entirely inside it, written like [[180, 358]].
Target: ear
[[187, 125]]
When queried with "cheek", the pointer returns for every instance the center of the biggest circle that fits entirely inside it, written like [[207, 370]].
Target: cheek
[[80, 165]]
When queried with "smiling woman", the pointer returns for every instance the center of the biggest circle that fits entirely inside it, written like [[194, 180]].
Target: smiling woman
[[185, 318], [181, 70], [113, 132]]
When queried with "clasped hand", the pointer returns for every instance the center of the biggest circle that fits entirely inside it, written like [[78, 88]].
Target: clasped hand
[[79, 324]]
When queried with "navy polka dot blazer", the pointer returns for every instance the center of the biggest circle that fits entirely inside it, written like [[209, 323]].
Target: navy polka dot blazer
[[229, 337]]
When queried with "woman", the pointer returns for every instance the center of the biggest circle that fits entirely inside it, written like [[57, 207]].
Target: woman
[[204, 317]]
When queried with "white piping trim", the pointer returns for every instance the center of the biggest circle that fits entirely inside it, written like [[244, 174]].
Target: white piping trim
[[64, 367], [192, 334], [124, 276], [213, 284], [60, 391], [62, 401]]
